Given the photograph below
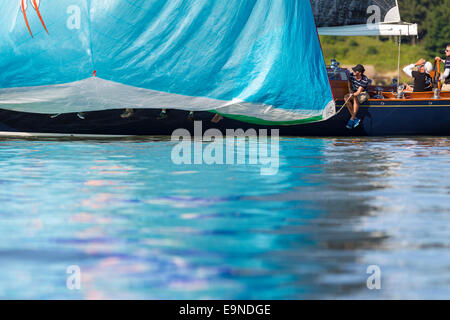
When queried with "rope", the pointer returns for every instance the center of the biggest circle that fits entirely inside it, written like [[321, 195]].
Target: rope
[[348, 99]]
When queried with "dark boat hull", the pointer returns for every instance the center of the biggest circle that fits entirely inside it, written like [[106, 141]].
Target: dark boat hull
[[379, 119]]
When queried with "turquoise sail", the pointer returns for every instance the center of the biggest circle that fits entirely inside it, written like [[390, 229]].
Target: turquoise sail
[[256, 60]]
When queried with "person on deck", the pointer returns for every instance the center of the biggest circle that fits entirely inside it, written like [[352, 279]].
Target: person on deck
[[422, 80], [446, 75], [358, 85]]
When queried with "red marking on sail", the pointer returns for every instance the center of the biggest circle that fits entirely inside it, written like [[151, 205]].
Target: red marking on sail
[[94, 73], [39, 14], [22, 5]]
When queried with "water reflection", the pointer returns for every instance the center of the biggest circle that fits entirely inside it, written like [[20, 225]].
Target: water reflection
[[142, 227]]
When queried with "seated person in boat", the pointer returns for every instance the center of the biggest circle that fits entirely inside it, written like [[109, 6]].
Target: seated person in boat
[[446, 75], [358, 85], [422, 79]]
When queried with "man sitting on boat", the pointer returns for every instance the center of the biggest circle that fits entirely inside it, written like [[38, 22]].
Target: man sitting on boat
[[446, 75], [422, 79], [358, 85]]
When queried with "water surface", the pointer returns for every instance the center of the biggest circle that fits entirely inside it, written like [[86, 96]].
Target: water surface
[[141, 227]]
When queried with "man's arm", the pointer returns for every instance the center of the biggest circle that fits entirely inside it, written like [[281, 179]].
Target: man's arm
[[446, 74], [409, 69], [349, 81], [358, 92], [350, 90]]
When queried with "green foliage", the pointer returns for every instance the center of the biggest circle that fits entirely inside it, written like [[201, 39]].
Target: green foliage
[[353, 43], [371, 50], [415, 11], [438, 29], [432, 18], [383, 55]]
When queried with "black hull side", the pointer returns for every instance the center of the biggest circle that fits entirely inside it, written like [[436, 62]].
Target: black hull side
[[377, 120]]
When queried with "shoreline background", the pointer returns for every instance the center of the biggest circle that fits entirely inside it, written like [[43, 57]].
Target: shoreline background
[[379, 56]]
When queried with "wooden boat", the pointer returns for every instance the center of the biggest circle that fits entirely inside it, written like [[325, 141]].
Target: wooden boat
[[416, 114]]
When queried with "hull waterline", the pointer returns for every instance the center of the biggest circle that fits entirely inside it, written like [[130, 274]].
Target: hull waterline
[[379, 119]]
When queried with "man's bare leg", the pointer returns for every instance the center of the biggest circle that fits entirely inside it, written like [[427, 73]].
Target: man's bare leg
[[355, 108], [349, 104], [350, 107]]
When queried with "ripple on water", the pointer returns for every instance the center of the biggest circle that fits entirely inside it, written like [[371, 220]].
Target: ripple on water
[[140, 226]]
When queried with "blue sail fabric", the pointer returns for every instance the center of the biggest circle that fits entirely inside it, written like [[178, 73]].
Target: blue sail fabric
[[259, 60]]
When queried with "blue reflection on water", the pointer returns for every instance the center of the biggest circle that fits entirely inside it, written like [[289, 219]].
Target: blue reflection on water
[[142, 227]]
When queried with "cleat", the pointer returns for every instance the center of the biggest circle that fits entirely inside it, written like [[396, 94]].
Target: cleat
[[55, 115], [191, 116], [81, 115]]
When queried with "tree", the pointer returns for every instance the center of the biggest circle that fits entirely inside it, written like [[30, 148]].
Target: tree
[[415, 11], [438, 28]]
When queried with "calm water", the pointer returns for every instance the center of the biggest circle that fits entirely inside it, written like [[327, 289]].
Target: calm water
[[140, 226]]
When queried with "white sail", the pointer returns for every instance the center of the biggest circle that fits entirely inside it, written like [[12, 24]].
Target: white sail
[[360, 18]]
